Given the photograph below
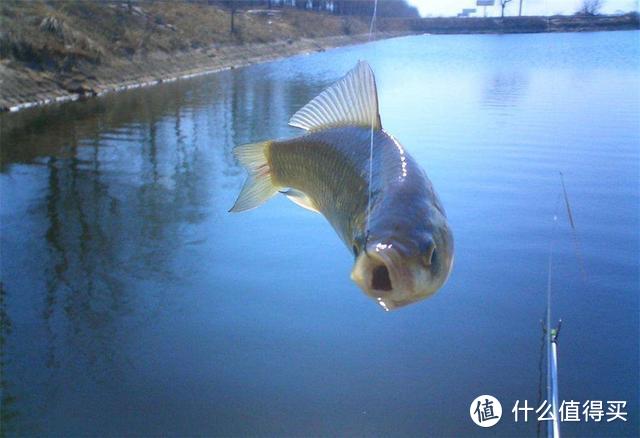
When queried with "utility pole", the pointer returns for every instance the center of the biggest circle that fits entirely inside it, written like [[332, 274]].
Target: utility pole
[[233, 13]]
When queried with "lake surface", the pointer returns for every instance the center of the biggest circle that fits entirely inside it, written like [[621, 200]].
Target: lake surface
[[134, 304]]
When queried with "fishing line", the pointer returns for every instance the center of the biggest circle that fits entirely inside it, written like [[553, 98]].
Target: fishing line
[[373, 18], [574, 232], [554, 235], [366, 237], [547, 331]]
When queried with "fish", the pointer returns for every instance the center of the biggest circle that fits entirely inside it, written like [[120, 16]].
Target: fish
[[363, 181]]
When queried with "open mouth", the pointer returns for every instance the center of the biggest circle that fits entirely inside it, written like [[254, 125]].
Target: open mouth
[[380, 279]]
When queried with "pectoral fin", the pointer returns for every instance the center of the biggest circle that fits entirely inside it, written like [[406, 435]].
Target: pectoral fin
[[300, 198]]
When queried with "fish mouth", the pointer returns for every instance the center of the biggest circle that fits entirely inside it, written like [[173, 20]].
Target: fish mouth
[[380, 279], [381, 274]]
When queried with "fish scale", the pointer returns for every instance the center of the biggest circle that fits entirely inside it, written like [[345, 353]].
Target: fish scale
[[332, 167]]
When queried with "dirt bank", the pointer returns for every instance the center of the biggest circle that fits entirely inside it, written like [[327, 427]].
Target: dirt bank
[[60, 50], [23, 88]]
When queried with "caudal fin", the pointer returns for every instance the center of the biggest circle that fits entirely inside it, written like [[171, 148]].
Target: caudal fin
[[258, 187]]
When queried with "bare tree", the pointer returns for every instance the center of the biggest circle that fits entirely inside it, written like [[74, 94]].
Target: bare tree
[[591, 7], [520, 9], [503, 4]]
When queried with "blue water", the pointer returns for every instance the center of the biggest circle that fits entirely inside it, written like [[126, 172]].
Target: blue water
[[134, 304]]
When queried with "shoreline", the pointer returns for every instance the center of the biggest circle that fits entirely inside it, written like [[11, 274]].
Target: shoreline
[[22, 87], [154, 69], [527, 24]]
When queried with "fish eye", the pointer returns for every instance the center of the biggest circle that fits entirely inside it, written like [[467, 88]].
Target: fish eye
[[429, 255]]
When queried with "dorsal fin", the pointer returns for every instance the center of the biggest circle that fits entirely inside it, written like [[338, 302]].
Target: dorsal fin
[[352, 101]]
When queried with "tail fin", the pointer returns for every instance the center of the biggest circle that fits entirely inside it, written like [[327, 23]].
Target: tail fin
[[258, 187]]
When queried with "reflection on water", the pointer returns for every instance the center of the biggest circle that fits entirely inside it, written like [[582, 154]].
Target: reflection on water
[[120, 179], [7, 401], [132, 303], [504, 89]]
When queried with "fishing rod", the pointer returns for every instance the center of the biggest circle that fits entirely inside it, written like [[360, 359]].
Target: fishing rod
[[553, 427], [550, 335]]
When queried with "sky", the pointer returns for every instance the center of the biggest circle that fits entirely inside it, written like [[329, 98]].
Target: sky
[[529, 7]]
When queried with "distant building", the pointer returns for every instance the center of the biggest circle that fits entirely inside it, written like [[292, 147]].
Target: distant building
[[467, 12], [485, 3]]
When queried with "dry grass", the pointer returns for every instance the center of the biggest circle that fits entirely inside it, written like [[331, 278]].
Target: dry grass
[[56, 35]]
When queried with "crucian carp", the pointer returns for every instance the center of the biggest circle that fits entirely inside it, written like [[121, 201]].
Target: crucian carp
[[364, 182]]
